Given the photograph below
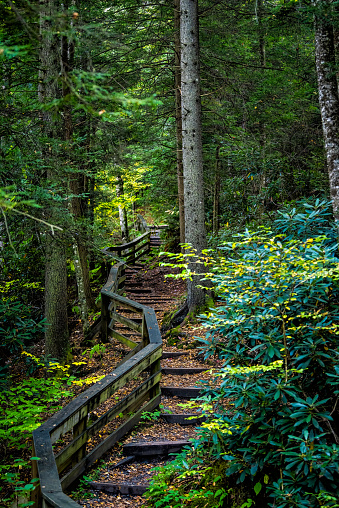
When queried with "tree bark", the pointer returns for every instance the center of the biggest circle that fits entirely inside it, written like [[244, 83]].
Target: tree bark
[[178, 119], [56, 335], [192, 144], [329, 103]]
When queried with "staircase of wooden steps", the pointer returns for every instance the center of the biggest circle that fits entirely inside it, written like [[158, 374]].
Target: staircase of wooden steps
[[131, 307]]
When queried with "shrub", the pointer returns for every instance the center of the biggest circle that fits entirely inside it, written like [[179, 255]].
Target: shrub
[[277, 333]]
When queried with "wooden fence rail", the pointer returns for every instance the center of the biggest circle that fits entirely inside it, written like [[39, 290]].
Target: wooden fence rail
[[133, 250], [58, 472]]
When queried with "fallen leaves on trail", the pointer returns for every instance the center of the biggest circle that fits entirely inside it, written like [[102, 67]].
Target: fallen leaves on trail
[[160, 431]]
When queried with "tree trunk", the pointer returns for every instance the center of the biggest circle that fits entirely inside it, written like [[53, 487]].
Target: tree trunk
[[329, 104], [192, 143], [216, 193], [56, 335], [122, 210], [77, 187], [178, 119]]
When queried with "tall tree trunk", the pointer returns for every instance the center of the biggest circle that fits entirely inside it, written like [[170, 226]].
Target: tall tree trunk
[[216, 193], [195, 233], [178, 119], [122, 210], [329, 103], [56, 335], [76, 186]]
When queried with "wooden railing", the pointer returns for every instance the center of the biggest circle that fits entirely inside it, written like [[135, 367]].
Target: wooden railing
[[58, 472], [132, 251]]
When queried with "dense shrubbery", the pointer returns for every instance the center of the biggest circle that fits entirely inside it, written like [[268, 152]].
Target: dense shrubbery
[[277, 332], [18, 330]]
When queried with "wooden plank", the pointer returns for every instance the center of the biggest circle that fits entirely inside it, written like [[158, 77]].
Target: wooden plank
[[110, 284], [174, 354], [149, 448], [126, 489], [178, 371], [122, 338], [102, 448], [184, 419], [185, 392], [48, 472], [67, 417], [78, 430], [152, 327], [133, 324], [127, 404], [58, 500]]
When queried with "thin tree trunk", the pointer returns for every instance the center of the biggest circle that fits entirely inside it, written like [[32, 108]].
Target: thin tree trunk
[[122, 210], [56, 335], [192, 144], [178, 119], [329, 104], [216, 193]]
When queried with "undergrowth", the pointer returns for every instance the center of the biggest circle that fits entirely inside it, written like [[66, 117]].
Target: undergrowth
[[276, 423]]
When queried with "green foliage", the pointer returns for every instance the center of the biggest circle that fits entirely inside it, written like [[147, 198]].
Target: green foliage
[[97, 349], [152, 416], [17, 330], [21, 488], [23, 404], [277, 331], [188, 481]]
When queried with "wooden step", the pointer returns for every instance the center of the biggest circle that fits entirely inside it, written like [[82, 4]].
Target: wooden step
[[151, 448], [123, 462], [184, 392], [174, 354], [126, 489], [178, 371], [138, 291], [184, 419]]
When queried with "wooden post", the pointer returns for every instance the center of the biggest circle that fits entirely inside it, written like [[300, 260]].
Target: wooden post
[[144, 331], [77, 430], [104, 317], [155, 390]]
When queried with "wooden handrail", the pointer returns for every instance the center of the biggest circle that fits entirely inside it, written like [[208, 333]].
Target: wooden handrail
[[73, 460], [127, 251]]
